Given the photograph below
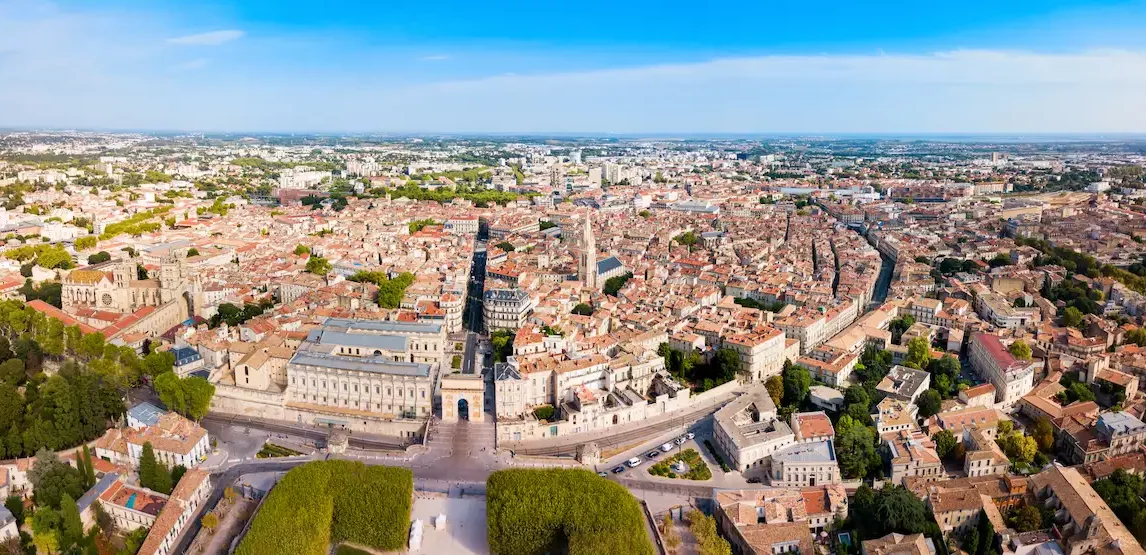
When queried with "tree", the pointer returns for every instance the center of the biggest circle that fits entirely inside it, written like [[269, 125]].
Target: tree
[[1027, 518], [986, 536], [103, 520], [708, 541], [170, 389], [148, 466], [86, 242], [614, 284], [210, 521], [1137, 336], [177, 474], [944, 443], [857, 395], [583, 309], [301, 250], [1020, 350], [1018, 447], [192, 252], [929, 402], [854, 449], [318, 265], [506, 246], [797, 382], [15, 505], [1043, 434], [52, 479], [72, 530], [1004, 427], [1072, 317], [918, 354], [99, 257], [775, 387]]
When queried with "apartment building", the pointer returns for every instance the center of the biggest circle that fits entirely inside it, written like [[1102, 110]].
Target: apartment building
[[506, 309], [995, 308], [747, 430], [1012, 378], [761, 352]]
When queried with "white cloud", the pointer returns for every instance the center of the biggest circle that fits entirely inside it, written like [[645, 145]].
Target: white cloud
[[213, 38], [435, 58]]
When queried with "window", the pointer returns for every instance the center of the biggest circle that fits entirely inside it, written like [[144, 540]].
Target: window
[[356, 388], [377, 389], [388, 392], [423, 393]]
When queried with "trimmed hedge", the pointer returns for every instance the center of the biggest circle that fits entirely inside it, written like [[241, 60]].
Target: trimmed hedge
[[324, 501], [530, 511]]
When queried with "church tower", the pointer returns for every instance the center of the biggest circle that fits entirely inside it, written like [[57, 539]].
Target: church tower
[[587, 259]]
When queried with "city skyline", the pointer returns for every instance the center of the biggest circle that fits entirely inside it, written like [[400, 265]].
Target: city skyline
[[892, 69]]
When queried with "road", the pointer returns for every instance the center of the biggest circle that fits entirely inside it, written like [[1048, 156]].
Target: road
[[357, 440], [626, 437]]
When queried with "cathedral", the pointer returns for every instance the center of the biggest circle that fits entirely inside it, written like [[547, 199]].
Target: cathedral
[[586, 248], [114, 287]]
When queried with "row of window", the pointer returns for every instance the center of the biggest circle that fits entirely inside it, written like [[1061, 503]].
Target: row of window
[[345, 387]]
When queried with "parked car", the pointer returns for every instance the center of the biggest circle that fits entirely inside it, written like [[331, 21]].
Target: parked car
[[606, 474], [754, 480], [690, 435], [634, 462], [681, 440], [619, 469], [653, 454]]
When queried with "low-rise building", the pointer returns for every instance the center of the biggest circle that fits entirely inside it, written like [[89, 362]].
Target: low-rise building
[[778, 520], [900, 544], [1084, 521], [912, 454], [983, 456], [905, 384], [805, 464]]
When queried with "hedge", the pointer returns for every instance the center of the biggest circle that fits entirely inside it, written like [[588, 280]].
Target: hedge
[[325, 501], [530, 511]]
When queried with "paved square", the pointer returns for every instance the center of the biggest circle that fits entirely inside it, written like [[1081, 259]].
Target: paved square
[[465, 530]]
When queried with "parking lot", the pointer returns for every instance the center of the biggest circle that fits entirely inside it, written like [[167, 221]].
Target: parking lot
[[701, 431]]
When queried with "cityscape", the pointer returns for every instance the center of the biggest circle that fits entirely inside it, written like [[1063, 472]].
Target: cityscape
[[597, 279]]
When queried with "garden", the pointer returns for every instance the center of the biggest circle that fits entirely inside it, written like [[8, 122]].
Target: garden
[[535, 511], [325, 502], [271, 450], [697, 469]]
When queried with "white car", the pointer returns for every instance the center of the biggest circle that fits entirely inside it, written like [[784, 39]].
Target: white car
[[666, 447], [680, 440], [634, 462], [690, 435]]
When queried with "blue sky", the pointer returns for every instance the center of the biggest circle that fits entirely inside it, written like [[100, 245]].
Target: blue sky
[[974, 66]]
